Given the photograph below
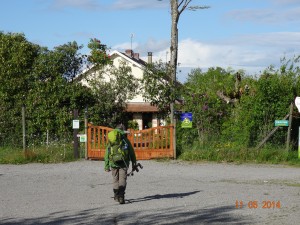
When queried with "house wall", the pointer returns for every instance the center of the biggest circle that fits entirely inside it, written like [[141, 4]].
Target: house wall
[[138, 117], [136, 71], [154, 120]]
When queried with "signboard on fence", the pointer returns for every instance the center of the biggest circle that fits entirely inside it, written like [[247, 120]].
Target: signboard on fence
[[186, 120]]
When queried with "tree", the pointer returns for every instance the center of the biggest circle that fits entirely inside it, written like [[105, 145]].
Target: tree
[[42, 80], [157, 88], [111, 94], [17, 57], [53, 96], [71, 58], [111, 86], [98, 57], [233, 96], [177, 7], [201, 99]]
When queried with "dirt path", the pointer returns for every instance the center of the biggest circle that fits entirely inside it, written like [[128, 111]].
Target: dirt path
[[171, 192]]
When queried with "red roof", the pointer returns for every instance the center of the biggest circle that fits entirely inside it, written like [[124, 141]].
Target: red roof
[[140, 107]]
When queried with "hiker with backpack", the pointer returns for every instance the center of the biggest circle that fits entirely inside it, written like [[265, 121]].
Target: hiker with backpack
[[119, 152]]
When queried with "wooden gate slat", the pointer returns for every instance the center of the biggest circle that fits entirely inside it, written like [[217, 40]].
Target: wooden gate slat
[[150, 143]]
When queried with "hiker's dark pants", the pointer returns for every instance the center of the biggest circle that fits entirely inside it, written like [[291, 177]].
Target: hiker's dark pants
[[119, 179]]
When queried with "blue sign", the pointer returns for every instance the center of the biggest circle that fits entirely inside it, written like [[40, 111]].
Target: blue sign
[[186, 120]]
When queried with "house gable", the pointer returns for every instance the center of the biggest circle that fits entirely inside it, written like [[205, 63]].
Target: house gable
[[138, 106]]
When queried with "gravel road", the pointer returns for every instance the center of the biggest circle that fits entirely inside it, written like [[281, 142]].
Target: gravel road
[[171, 192]]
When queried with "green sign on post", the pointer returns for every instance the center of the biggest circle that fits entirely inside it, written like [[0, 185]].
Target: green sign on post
[[281, 123], [82, 138]]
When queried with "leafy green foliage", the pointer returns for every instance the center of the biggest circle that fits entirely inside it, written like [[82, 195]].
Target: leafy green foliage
[[98, 56], [17, 56], [133, 124], [41, 154], [241, 155], [201, 99], [222, 126], [70, 58], [41, 80], [111, 94], [157, 88]]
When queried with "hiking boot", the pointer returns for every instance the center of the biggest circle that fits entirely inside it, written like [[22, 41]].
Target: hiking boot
[[121, 200], [116, 195], [122, 195]]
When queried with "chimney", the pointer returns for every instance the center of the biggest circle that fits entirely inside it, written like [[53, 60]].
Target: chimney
[[137, 56], [129, 52], [150, 57]]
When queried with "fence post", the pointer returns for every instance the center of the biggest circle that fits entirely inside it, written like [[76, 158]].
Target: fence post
[[290, 127], [23, 128], [86, 131], [130, 137], [75, 138]]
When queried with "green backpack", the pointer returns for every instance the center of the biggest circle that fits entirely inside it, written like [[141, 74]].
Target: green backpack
[[117, 147]]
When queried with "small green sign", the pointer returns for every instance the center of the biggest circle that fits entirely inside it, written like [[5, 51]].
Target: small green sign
[[186, 123], [281, 123], [82, 138]]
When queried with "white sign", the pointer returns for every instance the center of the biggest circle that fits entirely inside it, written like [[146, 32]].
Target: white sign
[[75, 124], [297, 103], [82, 138]]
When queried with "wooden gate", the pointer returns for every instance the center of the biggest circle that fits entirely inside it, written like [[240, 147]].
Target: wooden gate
[[156, 142]]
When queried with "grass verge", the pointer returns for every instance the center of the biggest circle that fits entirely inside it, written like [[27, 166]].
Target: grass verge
[[42, 154], [265, 156]]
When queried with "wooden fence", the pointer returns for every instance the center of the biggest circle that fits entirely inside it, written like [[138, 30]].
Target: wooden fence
[[156, 142]]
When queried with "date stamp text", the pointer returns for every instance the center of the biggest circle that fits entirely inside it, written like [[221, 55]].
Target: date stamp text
[[267, 204]]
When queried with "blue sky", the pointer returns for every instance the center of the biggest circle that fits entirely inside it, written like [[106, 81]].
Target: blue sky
[[237, 34]]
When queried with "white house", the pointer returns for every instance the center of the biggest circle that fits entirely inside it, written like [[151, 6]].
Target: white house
[[137, 108]]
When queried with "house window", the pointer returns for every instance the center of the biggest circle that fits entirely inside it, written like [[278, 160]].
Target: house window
[[147, 120]]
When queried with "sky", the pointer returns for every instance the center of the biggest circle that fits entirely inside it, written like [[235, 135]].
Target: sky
[[233, 34]]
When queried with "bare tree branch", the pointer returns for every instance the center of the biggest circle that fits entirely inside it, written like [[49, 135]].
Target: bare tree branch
[[235, 96], [186, 3], [226, 98], [196, 7]]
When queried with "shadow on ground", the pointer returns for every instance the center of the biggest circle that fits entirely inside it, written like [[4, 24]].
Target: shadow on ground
[[165, 196], [173, 215]]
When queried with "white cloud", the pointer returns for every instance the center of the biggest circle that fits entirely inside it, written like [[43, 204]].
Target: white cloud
[[287, 2], [280, 12], [151, 45], [62, 4], [252, 53], [140, 4]]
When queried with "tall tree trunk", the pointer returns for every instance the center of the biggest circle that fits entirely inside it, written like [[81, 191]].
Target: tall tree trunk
[[175, 13], [173, 50]]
